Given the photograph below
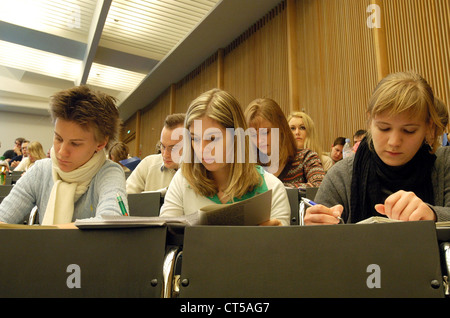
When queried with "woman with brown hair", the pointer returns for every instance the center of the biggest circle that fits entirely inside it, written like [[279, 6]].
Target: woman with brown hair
[[299, 168], [119, 151]]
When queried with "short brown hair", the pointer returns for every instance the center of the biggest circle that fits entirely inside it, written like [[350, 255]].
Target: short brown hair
[[88, 108], [118, 151], [174, 120]]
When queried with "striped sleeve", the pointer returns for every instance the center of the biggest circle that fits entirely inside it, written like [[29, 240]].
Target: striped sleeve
[[305, 170]]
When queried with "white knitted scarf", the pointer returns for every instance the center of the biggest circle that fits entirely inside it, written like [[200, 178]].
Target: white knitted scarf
[[68, 187]]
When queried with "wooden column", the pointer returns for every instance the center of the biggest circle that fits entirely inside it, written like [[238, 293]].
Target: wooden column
[[172, 99], [379, 36], [294, 100], [220, 68], [138, 133]]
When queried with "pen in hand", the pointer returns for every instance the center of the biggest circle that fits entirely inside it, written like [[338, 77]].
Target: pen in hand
[[312, 203], [121, 205]]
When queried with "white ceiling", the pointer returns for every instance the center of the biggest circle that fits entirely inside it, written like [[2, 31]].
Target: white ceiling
[[48, 45], [131, 49]]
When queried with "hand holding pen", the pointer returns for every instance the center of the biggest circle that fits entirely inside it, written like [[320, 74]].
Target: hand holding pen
[[317, 214]]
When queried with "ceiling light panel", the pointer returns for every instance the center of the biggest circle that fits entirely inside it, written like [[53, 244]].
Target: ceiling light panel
[[70, 18], [113, 78], [37, 61], [152, 28]]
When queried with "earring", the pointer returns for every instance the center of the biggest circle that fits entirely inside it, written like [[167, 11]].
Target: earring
[[427, 144]]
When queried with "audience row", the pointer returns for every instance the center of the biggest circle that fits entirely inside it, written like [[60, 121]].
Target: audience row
[[24, 154], [217, 152]]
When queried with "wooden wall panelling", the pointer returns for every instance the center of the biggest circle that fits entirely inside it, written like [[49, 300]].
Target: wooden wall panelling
[[418, 40], [291, 21], [336, 61], [128, 134], [220, 68], [256, 63], [337, 66], [200, 80], [152, 120], [137, 139], [379, 34]]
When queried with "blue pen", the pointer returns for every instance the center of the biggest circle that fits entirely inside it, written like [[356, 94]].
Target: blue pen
[[309, 202], [312, 203]]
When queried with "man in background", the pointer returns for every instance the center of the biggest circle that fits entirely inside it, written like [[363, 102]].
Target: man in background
[[155, 172]]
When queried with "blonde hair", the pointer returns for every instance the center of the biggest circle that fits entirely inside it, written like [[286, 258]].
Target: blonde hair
[[268, 109], [311, 140], [406, 92], [222, 107], [35, 150]]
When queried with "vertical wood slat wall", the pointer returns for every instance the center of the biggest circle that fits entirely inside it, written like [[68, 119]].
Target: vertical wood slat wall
[[255, 64], [336, 68], [417, 34]]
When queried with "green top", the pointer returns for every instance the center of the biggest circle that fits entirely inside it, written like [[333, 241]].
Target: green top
[[259, 189]]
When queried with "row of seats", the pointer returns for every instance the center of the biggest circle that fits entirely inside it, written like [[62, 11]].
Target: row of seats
[[149, 203], [12, 177]]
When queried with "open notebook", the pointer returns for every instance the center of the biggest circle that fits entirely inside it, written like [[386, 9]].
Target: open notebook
[[252, 211]]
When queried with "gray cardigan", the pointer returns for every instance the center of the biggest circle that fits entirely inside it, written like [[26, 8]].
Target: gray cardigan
[[34, 188], [336, 186]]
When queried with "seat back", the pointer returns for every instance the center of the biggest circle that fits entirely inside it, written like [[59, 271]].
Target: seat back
[[144, 204]]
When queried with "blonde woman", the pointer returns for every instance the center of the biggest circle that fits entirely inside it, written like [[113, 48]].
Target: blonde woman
[[299, 168], [302, 126], [35, 152], [211, 170], [398, 170], [77, 182]]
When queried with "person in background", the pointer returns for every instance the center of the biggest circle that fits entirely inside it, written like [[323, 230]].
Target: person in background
[[155, 172], [14, 161], [211, 171], [35, 152], [303, 128], [22, 164], [77, 182], [298, 168], [9, 154], [336, 149], [357, 138], [399, 170], [442, 110], [119, 151]]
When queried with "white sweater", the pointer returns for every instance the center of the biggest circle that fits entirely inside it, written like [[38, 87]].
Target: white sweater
[[34, 188], [149, 175], [181, 199]]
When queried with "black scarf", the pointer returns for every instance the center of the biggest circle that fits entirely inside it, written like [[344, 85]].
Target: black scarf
[[373, 181]]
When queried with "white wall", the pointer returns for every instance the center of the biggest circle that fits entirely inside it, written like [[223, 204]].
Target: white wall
[[30, 127]]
